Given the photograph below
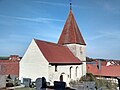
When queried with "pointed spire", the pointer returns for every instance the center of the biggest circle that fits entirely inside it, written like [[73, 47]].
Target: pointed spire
[[71, 33], [70, 5]]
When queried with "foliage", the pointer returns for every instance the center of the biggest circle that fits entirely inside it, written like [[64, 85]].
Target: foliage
[[99, 83], [88, 77], [16, 82], [106, 83], [111, 85], [4, 58], [11, 81], [89, 59], [74, 82]]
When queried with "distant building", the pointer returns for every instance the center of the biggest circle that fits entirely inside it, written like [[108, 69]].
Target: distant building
[[105, 71], [51, 60], [14, 58], [10, 66]]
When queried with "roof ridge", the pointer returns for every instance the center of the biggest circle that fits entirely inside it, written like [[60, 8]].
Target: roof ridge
[[49, 42], [44, 41]]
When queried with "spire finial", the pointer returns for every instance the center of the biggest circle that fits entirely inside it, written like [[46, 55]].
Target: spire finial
[[70, 5]]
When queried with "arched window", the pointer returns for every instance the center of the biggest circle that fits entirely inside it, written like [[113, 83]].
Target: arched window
[[61, 77], [76, 71], [70, 71]]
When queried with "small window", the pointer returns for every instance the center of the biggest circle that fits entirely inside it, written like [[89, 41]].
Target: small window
[[70, 71], [76, 71], [55, 68]]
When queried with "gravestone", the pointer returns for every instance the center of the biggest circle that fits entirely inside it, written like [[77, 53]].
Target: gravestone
[[27, 82], [58, 85], [44, 83], [119, 83], [38, 83], [89, 85], [2, 81]]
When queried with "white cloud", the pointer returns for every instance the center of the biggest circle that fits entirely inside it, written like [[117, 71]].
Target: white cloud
[[61, 4], [39, 20], [51, 3], [113, 34], [111, 7]]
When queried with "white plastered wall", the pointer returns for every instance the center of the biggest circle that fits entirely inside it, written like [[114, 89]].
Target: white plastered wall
[[65, 71], [80, 52], [33, 64]]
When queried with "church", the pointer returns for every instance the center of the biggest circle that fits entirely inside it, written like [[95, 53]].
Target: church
[[51, 60]]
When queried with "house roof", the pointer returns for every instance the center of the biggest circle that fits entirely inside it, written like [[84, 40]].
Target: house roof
[[103, 63], [71, 33], [109, 71], [57, 54], [9, 67]]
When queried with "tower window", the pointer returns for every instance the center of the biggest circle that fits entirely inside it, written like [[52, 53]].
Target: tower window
[[81, 50]]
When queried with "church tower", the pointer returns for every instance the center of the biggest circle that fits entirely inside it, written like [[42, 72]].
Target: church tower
[[72, 38]]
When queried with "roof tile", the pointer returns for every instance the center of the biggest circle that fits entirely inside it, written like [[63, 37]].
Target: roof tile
[[9, 67], [57, 54], [71, 32], [112, 71]]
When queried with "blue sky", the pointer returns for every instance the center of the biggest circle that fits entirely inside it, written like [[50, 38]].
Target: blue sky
[[23, 20]]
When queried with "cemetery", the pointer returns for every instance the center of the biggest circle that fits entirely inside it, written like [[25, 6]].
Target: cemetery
[[60, 66], [88, 82]]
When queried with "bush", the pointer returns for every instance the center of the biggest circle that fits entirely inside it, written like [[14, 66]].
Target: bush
[[108, 84], [9, 85], [72, 82], [88, 77]]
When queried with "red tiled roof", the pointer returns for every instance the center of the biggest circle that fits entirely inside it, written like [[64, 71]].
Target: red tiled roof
[[103, 63], [14, 57], [9, 67], [112, 71], [57, 54], [71, 32]]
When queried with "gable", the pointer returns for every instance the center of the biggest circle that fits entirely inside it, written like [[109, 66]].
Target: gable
[[33, 64], [33, 54]]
